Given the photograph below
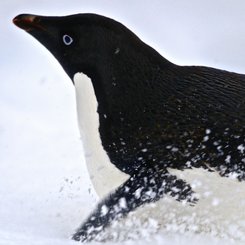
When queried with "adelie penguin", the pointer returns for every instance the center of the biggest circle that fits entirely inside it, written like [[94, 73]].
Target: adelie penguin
[[149, 114]]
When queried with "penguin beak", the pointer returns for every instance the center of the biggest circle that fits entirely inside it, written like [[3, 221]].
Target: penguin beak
[[28, 22]]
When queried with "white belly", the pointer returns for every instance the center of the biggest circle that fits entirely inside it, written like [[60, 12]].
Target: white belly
[[104, 175]]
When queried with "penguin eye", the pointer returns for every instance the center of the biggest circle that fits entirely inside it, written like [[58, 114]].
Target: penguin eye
[[67, 40]]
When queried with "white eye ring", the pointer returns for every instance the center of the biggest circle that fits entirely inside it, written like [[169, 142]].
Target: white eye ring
[[67, 40]]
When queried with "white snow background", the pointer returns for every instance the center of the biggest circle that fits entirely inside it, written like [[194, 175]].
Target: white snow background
[[44, 183]]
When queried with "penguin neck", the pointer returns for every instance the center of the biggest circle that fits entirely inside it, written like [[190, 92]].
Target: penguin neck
[[120, 77], [125, 69]]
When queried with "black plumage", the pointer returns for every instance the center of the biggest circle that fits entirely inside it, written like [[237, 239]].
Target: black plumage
[[158, 115]]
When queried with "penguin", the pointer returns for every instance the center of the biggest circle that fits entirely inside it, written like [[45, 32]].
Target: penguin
[[141, 115]]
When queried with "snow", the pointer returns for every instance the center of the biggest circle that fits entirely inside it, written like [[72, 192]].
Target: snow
[[44, 185]]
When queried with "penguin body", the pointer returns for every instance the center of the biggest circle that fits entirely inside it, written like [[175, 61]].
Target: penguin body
[[147, 114]]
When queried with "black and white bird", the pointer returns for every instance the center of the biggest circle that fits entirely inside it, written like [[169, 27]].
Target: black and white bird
[[141, 115]]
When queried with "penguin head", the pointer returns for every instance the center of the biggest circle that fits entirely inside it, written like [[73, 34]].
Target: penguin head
[[81, 42]]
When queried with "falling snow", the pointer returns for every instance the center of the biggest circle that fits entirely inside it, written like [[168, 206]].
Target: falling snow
[[241, 148]]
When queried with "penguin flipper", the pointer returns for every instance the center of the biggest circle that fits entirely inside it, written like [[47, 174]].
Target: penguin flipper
[[144, 187]]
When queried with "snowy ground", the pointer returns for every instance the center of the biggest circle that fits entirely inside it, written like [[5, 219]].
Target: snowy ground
[[44, 185]]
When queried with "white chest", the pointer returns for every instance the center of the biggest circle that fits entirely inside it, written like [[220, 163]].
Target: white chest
[[104, 175]]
